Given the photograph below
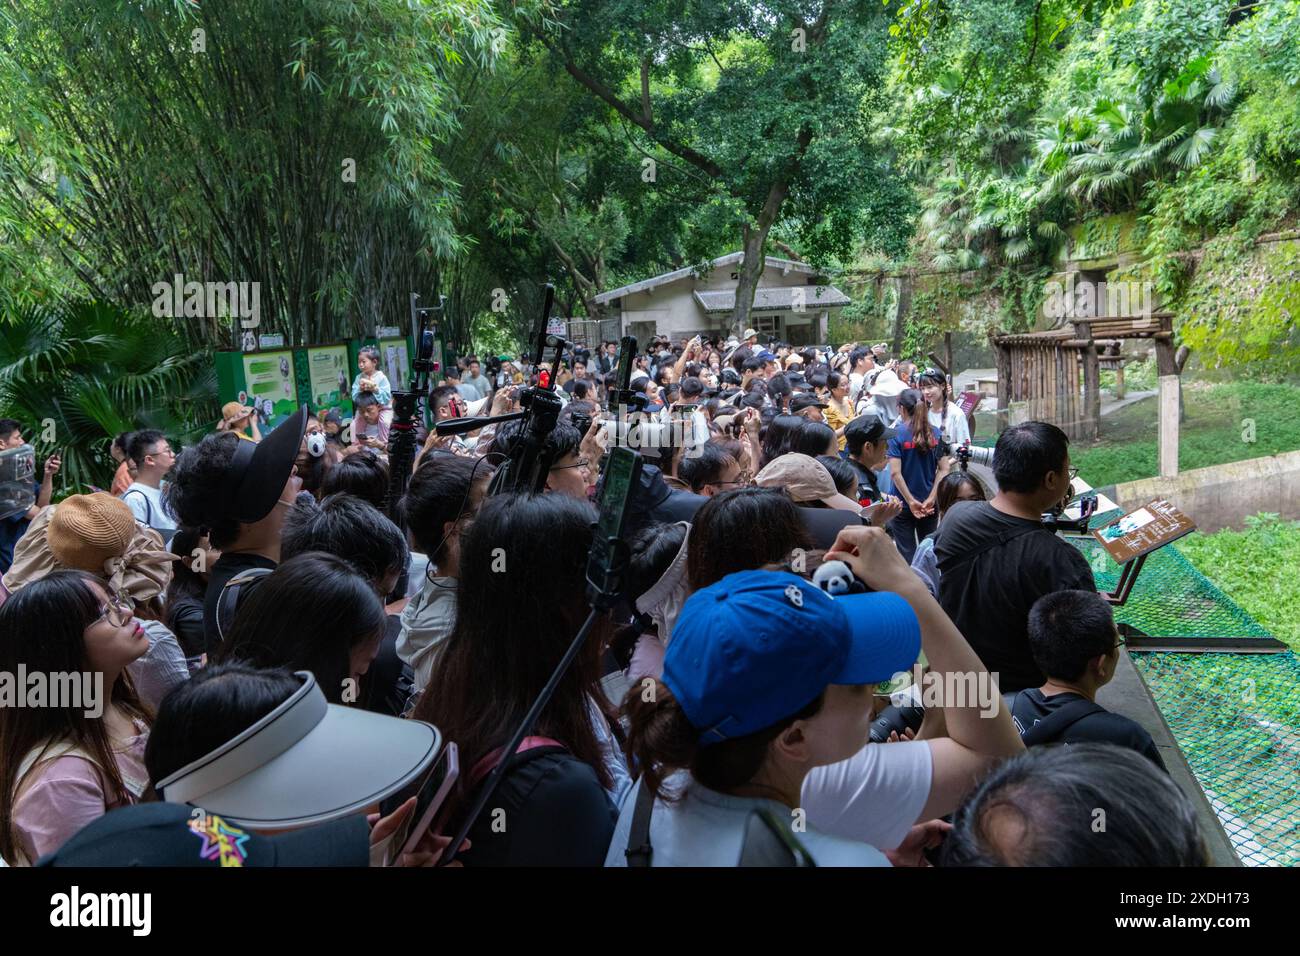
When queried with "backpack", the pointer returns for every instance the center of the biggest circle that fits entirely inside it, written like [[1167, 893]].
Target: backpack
[[228, 599], [168, 533], [1060, 720]]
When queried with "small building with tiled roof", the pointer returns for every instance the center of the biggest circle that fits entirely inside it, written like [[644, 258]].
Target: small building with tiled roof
[[793, 303]]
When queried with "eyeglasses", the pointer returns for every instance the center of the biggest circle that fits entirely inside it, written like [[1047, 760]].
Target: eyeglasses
[[117, 612], [1074, 472], [580, 463]]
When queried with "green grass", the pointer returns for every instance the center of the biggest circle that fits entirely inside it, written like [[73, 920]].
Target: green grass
[[1217, 429], [1259, 568]]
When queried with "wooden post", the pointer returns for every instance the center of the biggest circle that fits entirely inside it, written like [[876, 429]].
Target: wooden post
[[1091, 382], [1004, 385], [947, 354], [1119, 378], [1169, 388]]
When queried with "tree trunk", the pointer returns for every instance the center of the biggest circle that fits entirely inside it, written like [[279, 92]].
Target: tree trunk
[[587, 288], [904, 306], [751, 269], [755, 239]]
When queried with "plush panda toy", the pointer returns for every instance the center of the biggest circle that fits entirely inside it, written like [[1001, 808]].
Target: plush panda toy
[[836, 578]]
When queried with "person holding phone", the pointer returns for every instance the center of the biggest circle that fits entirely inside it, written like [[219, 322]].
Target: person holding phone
[[369, 431], [15, 526]]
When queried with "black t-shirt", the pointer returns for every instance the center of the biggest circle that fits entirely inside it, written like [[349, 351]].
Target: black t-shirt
[[227, 566], [989, 596], [1030, 707], [389, 681], [187, 624], [556, 813], [868, 485]]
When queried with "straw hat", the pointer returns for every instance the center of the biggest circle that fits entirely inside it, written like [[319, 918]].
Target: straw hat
[[98, 534], [233, 412], [87, 530]]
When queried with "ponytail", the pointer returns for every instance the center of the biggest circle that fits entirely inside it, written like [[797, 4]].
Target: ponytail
[[918, 419], [662, 740]]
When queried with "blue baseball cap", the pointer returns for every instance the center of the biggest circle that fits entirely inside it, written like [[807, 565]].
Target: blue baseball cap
[[758, 646]]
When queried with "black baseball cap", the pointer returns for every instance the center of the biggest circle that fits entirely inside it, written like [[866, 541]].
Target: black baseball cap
[[870, 427], [172, 834], [258, 471], [805, 400]]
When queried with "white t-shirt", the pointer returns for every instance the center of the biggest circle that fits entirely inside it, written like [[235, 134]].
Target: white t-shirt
[[875, 796], [956, 430], [707, 828], [856, 380], [147, 506]]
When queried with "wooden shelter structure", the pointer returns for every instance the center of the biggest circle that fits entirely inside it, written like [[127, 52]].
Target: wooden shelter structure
[[1055, 375]]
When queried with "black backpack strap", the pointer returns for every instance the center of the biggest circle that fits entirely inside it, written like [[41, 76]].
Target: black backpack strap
[[228, 599], [996, 541], [1061, 720], [639, 850]]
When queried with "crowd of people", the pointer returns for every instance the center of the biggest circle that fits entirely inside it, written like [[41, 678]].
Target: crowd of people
[[277, 634]]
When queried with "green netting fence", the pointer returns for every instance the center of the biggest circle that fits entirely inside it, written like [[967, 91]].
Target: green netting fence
[[1236, 717]]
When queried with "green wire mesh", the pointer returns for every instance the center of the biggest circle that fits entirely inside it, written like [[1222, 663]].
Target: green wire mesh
[[1171, 598], [1234, 716]]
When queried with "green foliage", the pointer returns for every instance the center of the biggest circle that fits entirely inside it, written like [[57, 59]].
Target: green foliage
[[1170, 109], [287, 144], [492, 336], [1138, 376], [92, 371], [759, 116], [1243, 307], [1258, 567], [1224, 423]]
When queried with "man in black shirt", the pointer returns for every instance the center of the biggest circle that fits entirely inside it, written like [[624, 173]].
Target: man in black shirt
[[240, 491], [1074, 640], [866, 441], [996, 559]]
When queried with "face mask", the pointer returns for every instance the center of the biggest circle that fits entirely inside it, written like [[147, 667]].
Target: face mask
[[316, 444]]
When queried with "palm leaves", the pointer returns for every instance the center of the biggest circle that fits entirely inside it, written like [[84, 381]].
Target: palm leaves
[[76, 375], [1090, 157]]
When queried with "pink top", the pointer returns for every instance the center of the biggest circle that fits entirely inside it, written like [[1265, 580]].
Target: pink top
[[68, 793]]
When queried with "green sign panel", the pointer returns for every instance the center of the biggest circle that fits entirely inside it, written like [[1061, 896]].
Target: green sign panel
[[269, 386], [330, 379]]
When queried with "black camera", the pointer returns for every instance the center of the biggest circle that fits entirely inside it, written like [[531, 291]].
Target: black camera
[[1054, 521], [966, 453]]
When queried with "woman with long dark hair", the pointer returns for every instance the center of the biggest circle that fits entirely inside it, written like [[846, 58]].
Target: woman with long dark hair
[[813, 439], [742, 530], [943, 414], [315, 612], [522, 572], [72, 756], [777, 437], [916, 465]]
